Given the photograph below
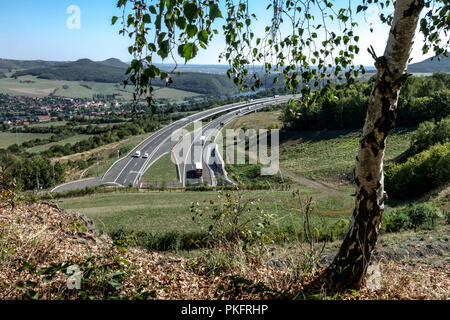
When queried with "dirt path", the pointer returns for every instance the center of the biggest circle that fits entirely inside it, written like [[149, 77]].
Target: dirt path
[[309, 183], [304, 181]]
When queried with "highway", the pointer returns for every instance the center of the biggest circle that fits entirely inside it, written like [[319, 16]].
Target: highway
[[129, 169], [196, 152]]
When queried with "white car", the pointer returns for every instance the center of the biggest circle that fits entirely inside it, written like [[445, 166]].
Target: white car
[[137, 154], [145, 156]]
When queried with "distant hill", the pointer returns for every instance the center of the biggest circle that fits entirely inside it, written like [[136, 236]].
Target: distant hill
[[23, 64], [203, 83], [113, 71], [81, 70], [430, 66], [113, 62]]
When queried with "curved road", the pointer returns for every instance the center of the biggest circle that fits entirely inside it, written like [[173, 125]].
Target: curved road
[[197, 153], [129, 169]]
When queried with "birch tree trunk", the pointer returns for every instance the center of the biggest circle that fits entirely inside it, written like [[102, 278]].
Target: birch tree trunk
[[349, 267]]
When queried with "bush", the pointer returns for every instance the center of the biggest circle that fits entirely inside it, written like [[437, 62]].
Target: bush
[[429, 134], [423, 215], [396, 221], [234, 220], [419, 174], [412, 217]]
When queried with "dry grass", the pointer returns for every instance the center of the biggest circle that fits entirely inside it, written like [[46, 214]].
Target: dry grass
[[39, 235], [402, 281]]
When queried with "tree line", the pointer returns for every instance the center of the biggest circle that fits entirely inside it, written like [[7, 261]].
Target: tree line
[[421, 99]]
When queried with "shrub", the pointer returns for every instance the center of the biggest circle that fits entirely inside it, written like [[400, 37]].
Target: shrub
[[420, 173], [411, 217], [422, 215], [234, 220], [429, 134], [396, 221]]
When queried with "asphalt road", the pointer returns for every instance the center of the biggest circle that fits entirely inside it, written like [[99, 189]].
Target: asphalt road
[[128, 170], [199, 153]]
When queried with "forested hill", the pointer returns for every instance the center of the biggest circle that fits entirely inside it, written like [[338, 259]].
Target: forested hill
[[113, 62], [202, 83], [81, 70], [113, 70], [429, 66], [7, 64]]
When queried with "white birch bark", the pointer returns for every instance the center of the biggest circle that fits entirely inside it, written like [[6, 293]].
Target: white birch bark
[[350, 264]]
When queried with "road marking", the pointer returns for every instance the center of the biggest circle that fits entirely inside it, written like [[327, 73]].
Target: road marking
[[123, 169]]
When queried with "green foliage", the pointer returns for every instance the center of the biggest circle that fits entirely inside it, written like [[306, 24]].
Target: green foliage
[[98, 279], [429, 134], [234, 220], [104, 136], [414, 217], [434, 106], [34, 171], [423, 215], [184, 27], [395, 221], [420, 173], [421, 99]]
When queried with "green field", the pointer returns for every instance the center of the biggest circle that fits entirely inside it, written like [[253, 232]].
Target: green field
[[34, 87], [48, 124], [163, 170], [160, 212], [8, 138], [330, 155], [258, 120], [170, 93], [72, 140]]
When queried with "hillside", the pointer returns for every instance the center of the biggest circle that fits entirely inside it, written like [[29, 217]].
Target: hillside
[[113, 62], [8, 64], [81, 70], [113, 71], [44, 242], [202, 83], [430, 66]]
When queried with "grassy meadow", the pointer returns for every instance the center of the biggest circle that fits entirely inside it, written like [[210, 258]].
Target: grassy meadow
[[34, 87], [330, 155], [162, 212], [9, 138], [71, 140], [163, 170], [258, 120]]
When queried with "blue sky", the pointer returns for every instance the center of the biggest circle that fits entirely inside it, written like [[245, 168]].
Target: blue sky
[[31, 29]]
